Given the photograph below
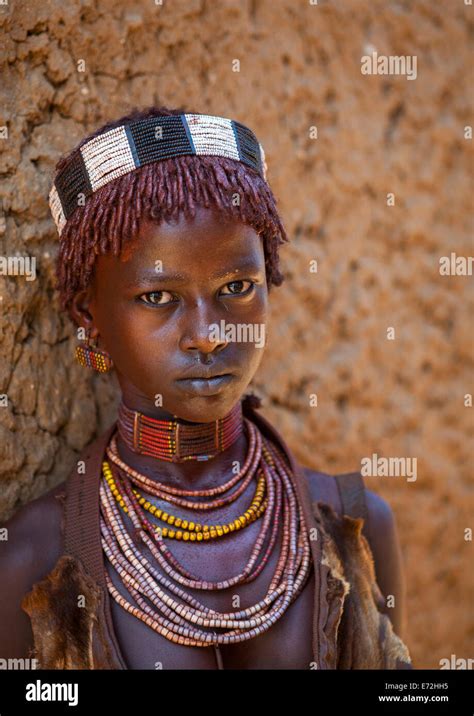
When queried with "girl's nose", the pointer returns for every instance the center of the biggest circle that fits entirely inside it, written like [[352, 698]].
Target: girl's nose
[[202, 330]]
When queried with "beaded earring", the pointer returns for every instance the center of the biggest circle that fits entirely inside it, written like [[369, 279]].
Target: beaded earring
[[92, 357]]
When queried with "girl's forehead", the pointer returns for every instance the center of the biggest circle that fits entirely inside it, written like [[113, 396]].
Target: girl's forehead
[[206, 245], [204, 219], [210, 234]]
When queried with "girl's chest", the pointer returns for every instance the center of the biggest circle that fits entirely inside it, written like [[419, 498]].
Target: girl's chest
[[287, 644]]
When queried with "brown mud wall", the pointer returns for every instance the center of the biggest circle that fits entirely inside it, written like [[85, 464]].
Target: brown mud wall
[[68, 67]]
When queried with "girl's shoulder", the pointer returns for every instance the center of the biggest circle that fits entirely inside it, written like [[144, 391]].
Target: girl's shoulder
[[34, 529]]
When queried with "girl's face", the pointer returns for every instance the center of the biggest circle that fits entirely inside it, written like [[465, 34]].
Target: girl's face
[[185, 300]]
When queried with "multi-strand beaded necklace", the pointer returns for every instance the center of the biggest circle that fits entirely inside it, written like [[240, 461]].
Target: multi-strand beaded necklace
[[162, 601]]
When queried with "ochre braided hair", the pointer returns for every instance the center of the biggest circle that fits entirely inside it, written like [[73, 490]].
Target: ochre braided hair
[[162, 191]]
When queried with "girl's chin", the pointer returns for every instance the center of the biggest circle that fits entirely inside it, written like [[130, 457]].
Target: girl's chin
[[205, 409]]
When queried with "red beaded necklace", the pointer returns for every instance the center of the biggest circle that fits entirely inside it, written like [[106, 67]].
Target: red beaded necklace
[[176, 441]]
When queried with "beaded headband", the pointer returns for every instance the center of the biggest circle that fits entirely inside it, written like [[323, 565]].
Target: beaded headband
[[137, 143]]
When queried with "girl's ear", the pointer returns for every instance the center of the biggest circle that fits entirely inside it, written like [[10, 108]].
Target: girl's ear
[[80, 311]]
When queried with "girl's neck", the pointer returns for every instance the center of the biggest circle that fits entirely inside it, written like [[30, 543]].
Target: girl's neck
[[137, 429], [191, 474]]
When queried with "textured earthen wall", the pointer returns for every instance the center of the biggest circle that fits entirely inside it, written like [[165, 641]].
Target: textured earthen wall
[[378, 265]]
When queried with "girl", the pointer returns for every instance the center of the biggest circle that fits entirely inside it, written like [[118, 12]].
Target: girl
[[187, 536]]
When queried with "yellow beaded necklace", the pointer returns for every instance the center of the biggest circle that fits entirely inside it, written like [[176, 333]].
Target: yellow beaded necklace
[[192, 531]]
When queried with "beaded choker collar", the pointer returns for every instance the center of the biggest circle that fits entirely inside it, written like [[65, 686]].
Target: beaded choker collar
[[176, 441]]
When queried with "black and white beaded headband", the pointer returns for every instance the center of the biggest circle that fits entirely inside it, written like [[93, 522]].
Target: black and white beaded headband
[[132, 145]]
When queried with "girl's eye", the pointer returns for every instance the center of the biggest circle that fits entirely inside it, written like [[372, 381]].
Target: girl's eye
[[154, 297], [238, 286]]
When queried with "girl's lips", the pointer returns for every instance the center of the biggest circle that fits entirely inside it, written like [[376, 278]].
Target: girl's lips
[[205, 386]]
